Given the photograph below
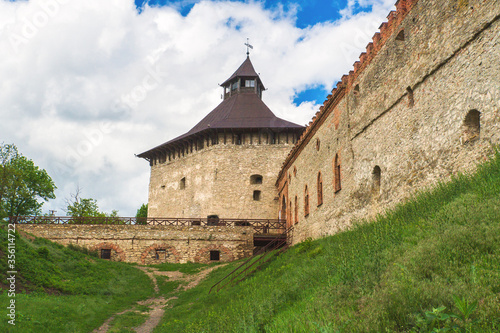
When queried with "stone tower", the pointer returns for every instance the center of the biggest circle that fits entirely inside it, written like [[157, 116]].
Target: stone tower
[[227, 164]]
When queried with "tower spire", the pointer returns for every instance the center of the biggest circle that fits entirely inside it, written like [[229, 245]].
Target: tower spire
[[248, 47]]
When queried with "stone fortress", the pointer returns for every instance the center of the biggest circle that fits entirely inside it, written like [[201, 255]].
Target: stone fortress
[[421, 104], [226, 165]]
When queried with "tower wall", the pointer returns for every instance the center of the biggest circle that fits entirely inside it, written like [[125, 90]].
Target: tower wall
[[218, 180], [409, 109]]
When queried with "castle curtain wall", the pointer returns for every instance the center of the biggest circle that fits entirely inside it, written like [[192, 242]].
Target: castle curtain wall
[[424, 107]]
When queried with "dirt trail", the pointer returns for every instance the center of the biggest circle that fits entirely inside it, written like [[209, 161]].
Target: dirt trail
[[157, 304]]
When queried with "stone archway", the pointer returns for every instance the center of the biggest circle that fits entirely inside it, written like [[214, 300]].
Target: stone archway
[[116, 251], [154, 254], [203, 255]]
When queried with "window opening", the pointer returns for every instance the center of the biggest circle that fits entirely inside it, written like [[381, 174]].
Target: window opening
[[336, 171], [249, 83], [411, 101], [256, 195], [296, 209], [306, 202], [161, 254], [105, 253], [376, 178], [471, 126], [182, 184], [214, 255], [212, 220], [255, 179], [320, 189], [401, 35]]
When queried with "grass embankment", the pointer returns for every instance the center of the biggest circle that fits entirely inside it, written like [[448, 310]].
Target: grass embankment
[[441, 249], [66, 290]]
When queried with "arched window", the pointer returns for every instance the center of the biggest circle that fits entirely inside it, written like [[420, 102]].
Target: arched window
[[376, 178], [182, 183], [401, 35], [336, 174], [356, 89], [306, 202], [256, 179], [320, 189], [296, 209], [471, 127]]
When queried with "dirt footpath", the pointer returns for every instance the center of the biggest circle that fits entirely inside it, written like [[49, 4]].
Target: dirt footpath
[[158, 304]]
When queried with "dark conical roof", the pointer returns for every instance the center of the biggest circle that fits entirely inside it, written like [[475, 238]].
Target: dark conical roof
[[245, 70], [242, 110]]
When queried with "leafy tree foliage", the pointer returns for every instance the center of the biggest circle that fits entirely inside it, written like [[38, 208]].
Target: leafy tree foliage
[[142, 214], [81, 207], [22, 184]]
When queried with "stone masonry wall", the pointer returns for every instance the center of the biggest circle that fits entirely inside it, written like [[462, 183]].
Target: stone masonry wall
[[147, 244], [403, 122], [218, 181]]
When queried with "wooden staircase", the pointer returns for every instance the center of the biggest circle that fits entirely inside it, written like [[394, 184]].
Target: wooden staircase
[[263, 255]]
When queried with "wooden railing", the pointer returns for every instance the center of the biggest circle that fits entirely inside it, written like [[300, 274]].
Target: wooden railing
[[261, 226]]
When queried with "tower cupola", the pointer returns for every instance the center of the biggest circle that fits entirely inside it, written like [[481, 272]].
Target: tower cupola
[[244, 81]]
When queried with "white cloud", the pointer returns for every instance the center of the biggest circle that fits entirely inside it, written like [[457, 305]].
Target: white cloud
[[87, 84]]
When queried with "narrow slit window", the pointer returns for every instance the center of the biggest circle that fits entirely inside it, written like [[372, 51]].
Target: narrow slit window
[[376, 179], [182, 183], [256, 195], [411, 101], [320, 189], [336, 172], [306, 202], [296, 209]]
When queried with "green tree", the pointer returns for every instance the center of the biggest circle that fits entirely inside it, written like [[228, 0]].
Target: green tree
[[22, 184], [88, 207], [142, 214]]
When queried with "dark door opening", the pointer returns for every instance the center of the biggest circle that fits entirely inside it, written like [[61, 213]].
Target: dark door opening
[[214, 255], [212, 220]]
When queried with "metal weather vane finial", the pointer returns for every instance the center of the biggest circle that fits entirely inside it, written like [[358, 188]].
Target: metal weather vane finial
[[248, 47]]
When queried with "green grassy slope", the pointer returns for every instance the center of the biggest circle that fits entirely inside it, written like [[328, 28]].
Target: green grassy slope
[[64, 290], [381, 276]]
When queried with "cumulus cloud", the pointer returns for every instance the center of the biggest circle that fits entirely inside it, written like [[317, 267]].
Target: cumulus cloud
[[87, 84]]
